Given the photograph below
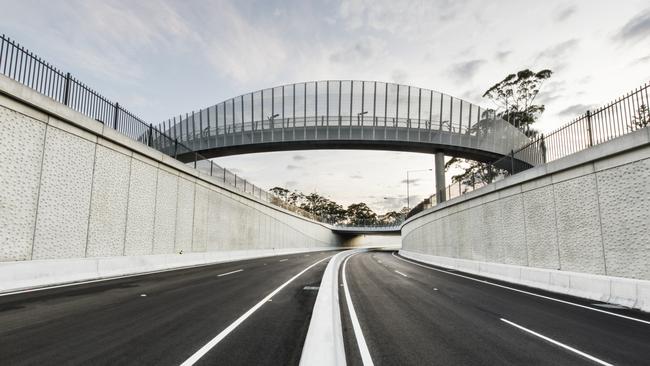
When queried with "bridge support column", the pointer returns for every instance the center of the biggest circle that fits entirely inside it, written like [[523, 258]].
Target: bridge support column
[[441, 193]]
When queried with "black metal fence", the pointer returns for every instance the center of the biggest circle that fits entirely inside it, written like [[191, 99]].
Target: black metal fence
[[18, 63], [617, 118]]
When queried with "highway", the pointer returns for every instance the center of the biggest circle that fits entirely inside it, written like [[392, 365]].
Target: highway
[[410, 314], [199, 315], [394, 311]]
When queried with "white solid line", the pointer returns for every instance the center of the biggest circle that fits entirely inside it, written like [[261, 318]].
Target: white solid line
[[525, 292], [219, 337], [282, 260], [590, 357], [227, 273], [401, 273], [361, 342]]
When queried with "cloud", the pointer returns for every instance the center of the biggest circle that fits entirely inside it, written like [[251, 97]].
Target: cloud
[[641, 60], [466, 70], [576, 110], [636, 29], [502, 55], [396, 16], [563, 14], [399, 76], [361, 50], [412, 181], [559, 50], [293, 167]]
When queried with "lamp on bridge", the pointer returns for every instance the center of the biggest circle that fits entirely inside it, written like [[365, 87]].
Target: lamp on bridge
[[271, 120], [408, 196], [360, 117]]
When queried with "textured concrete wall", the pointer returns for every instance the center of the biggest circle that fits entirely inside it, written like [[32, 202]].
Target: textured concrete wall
[[74, 189], [586, 213]]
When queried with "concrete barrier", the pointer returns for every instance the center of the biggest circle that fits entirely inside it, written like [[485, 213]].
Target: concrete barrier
[[621, 291], [20, 276], [576, 225], [324, 340]]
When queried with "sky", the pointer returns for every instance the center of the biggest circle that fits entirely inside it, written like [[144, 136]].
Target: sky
[[165, 58]]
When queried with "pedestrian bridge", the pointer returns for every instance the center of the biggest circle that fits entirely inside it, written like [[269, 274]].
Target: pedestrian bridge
[[343, 114]]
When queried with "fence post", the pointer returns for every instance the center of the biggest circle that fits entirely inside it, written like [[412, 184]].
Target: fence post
[[117, 110], [591, 137], [512, 162], [195, 159], [66, 90], [150, 135], [175, 148], [224, 175], [543, 148]]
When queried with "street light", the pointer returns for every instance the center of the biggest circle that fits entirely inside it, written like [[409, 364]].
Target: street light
[[271, 120], [360, 116], [408, 197]]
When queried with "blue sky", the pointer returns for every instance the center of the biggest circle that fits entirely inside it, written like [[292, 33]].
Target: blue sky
[[164, 58]]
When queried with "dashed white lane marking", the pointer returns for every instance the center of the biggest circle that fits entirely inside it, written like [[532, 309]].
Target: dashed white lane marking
[[219, 337], [228, 273], [398, 272], [143, 295], [361, 342], [282, 260], [525, 292], [569, 348]]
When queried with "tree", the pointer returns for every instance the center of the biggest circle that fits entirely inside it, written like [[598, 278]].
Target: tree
[[392, 217], [283, 193], [361, 214], [642, 119], [514, 98], [323, 207]]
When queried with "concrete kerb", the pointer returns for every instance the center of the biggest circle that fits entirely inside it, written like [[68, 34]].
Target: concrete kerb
[[324, 341], [627, 292], [41, 274]]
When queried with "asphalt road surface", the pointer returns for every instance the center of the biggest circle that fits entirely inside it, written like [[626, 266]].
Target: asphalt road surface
[[166, 318], [413, 315]]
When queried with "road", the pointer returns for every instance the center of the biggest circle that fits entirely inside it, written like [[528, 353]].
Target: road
[[166, 318], [413, 315]]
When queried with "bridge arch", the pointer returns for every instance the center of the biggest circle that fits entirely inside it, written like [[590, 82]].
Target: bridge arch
[[345, 114]]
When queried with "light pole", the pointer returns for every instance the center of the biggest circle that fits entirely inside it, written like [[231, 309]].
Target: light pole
[[271, 118], [408, 196], [360, 116]]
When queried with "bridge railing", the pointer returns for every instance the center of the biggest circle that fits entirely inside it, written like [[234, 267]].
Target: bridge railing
[[626, 114], [345, 109], [23, 66], [623, 115]]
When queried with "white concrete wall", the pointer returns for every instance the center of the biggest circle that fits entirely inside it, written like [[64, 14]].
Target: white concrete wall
[[587, 213], [72, 189]]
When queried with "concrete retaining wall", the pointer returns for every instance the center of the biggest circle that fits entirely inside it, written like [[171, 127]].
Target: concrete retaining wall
[[587, 213], [74, 190]]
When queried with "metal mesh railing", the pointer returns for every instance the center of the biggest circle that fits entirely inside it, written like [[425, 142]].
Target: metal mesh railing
[[23, 66]]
